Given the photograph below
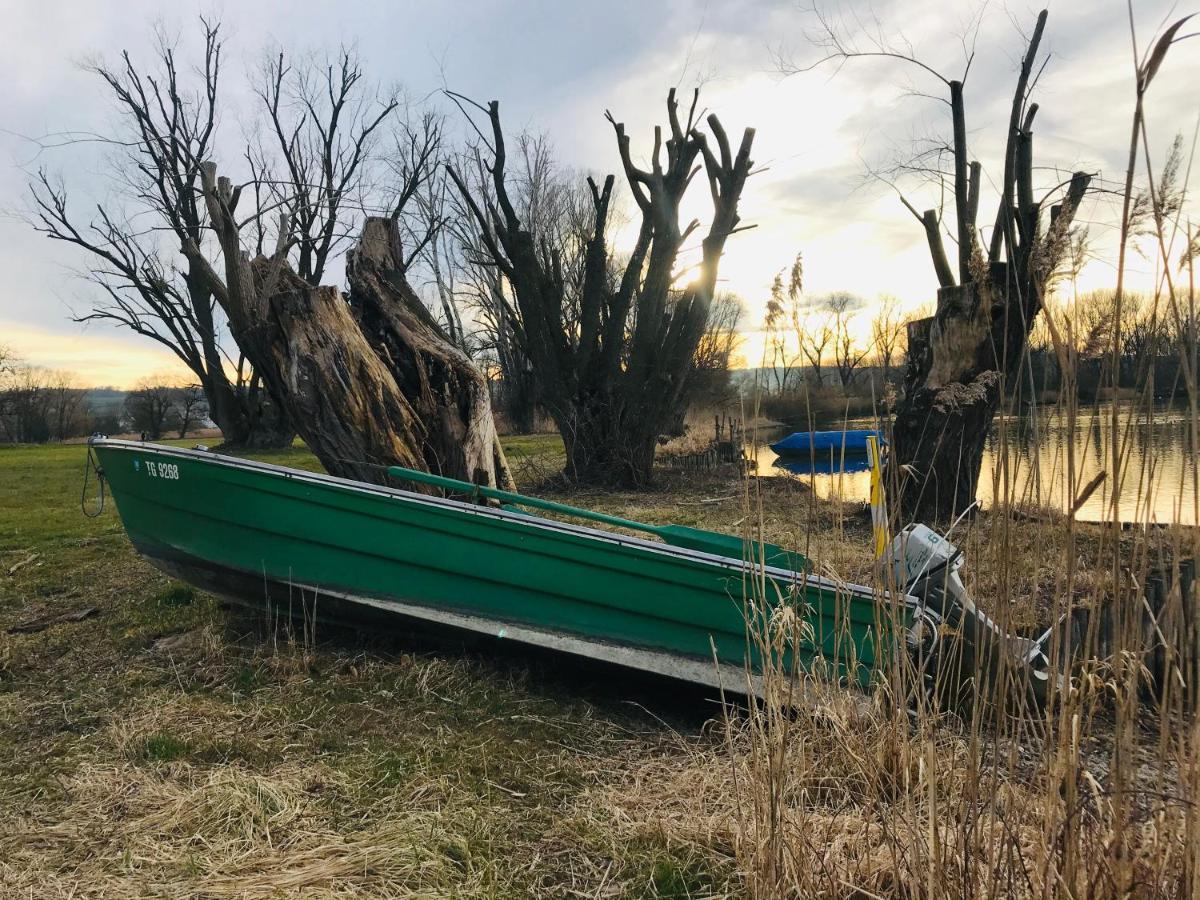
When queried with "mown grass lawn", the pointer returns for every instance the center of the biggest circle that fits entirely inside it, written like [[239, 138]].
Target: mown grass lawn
[[166, 745]]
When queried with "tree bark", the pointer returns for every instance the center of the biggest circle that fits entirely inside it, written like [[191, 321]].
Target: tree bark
[[249, 419], [949, 402], [268, 425], [609, 441]]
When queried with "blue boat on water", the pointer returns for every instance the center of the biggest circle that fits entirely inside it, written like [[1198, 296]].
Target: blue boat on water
[[823, 443]]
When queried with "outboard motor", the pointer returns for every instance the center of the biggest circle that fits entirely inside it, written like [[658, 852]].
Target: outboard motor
[[960, 651]]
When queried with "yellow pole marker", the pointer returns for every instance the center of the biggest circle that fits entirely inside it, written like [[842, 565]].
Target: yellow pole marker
[[879, 518]]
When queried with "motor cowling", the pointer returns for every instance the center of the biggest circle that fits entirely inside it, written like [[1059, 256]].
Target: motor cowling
[[970, 656]]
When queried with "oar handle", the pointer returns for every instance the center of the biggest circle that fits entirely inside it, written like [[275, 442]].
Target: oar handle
[[478, 490]]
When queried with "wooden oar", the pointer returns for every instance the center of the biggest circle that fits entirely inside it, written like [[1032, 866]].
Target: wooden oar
[[676, 535]]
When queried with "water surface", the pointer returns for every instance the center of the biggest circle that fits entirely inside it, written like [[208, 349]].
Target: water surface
[[1027, 459]]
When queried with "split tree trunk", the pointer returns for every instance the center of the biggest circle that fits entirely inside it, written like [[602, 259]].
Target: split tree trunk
[[447, 394], [368, 384], [373, 382]]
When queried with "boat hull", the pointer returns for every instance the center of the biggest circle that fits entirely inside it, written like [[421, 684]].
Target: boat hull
[[260, 533], [825, 444], [281, 600]]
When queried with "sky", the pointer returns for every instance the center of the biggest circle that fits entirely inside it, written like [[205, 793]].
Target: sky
[[557, 66]]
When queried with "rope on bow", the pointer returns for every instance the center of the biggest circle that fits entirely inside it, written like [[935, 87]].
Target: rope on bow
[[91, 464]]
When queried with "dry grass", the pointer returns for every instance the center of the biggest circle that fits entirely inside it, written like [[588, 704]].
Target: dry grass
[[813, 794], [868, 804]]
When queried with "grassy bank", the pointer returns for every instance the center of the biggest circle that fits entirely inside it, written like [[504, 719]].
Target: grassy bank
[[166, 745]]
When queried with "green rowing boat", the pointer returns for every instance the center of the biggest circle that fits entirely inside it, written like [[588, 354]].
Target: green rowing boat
[[263, 534]]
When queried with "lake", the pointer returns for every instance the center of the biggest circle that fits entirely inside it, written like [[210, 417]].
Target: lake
[[1158, 463]]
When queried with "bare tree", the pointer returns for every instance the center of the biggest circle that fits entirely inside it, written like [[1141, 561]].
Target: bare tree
[[557, 204], [25, 404], [421, 216], [9, 363], [958, 360], [191, 407], [886, 329], [814, 335], [65, 405], [612, 372], [38, 404], [324, 119], [1141, 334], [430, 402], [848, 352], [486, 298], [151, 407], [169, 118]]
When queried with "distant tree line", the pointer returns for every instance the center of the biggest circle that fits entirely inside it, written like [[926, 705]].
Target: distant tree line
[[1149, 343], [40, 405]]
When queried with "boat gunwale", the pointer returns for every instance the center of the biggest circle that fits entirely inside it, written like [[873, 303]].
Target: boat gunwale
[[787, 576]]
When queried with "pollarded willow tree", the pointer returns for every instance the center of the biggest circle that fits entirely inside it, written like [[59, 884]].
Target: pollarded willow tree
[[611, 342], [961, 359], [368, 380]]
